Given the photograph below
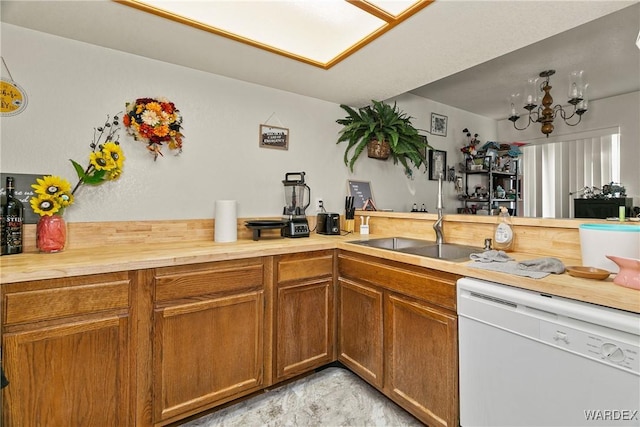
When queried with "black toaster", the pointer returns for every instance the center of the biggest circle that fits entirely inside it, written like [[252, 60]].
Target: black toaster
[[328, 223]]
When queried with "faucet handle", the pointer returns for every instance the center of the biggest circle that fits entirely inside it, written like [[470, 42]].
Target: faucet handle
[[487, 244]]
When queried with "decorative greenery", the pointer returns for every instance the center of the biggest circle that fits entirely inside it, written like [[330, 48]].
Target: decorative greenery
[[381, 121], [54, 194], [154, 122]]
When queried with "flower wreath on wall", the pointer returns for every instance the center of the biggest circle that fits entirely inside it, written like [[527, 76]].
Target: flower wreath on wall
[[154, 122]]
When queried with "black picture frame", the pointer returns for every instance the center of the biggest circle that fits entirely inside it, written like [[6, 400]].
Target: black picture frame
[[23, 192], [437, 164], [361, 192], [438, 124]]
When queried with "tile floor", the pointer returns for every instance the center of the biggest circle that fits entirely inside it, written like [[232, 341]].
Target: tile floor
[[329, 398]]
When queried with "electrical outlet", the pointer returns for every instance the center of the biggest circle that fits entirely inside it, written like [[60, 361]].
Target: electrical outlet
[[319, 204]]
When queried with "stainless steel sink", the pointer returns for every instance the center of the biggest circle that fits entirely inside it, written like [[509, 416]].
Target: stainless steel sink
[[393, 243], [446, 251], [425, 248]]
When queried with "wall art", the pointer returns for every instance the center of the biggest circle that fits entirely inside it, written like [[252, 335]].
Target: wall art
[[274, 137], [438, 124]]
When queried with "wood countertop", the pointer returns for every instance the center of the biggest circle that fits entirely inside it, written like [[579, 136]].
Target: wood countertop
[[76, 262]]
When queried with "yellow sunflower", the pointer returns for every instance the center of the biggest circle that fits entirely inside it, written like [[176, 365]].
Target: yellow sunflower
[[114, 174], [45, 204], [52, 185], [65, 199], [102, 160], [115, 152]]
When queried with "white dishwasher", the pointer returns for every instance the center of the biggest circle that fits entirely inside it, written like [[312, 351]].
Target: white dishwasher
[[531, 359]]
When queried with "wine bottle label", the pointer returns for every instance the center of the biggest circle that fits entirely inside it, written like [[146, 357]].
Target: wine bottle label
[[13, 231]]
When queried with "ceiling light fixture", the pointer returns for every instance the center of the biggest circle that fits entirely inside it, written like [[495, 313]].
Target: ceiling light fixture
[[543, 112], [316, 32]]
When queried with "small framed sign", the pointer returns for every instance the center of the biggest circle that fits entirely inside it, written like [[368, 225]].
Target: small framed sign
[[438, 124], [23, 192], [13, 98], [274, 137], [361, 192]]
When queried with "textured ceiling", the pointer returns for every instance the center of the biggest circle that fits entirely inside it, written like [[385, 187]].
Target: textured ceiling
[[441, 40], [604, 48]]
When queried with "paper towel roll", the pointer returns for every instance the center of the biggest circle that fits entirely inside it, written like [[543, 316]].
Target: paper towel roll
[[226, 225]]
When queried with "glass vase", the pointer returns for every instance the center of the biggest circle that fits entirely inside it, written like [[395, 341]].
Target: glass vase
[[51, 233]]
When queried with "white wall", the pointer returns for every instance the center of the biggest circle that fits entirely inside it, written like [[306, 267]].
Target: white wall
[[621, 111], [421, 108], [72, 86]]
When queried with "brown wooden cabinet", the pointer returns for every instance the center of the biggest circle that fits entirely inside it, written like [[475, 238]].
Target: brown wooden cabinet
[[304, 332], [410, 312], [360, 330], [421, 359], [208, 335], [151, 347], [66, 351]]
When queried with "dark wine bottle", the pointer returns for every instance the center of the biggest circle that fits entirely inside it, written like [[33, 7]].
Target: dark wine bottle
[[12, 218]]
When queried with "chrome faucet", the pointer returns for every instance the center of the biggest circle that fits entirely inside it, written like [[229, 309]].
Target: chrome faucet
[[437, 226]]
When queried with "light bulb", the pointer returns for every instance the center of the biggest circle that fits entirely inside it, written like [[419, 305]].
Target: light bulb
[[512, 102], [531, 93], [576, 86]]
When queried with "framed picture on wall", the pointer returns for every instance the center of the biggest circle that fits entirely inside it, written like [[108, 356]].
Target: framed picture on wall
[[438, 124], [437, 164], [274, 137]]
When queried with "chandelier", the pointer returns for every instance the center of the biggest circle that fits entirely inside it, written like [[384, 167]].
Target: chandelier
[[537, 101]]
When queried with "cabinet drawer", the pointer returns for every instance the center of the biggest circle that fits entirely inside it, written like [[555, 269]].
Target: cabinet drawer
[[428, 285], [305, 265], [58, 298], [188, 281]]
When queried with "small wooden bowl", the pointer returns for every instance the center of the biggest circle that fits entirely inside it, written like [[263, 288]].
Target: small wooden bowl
[[587, 272]]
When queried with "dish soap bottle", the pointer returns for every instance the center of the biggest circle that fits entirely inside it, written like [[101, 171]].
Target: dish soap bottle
[[503, 238]]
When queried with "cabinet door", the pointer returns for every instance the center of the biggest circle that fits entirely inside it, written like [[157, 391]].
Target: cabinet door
[[68, 375], [304, 327], [305, 313], [421, 366], [206, 351], [66, 351], [360, 330]]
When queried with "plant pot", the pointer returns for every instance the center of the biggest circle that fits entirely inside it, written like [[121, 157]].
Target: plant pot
[[51, 233], [378, 150]]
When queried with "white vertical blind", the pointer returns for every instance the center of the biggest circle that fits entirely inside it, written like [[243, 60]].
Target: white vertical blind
[[557, 172]]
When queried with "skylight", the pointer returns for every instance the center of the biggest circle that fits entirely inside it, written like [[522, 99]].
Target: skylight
[[317, 32]]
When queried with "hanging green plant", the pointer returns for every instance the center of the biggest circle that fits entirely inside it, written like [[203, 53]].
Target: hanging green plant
[[385, 131]]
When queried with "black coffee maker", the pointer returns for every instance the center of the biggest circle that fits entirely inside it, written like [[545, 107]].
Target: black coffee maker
[[297, 196]]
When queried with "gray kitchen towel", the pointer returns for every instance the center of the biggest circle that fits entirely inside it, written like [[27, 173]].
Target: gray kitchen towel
[[491, 256], [509, 267], [548, 264]]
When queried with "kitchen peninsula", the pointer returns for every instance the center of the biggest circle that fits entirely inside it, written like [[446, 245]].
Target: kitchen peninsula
[[275, 309]]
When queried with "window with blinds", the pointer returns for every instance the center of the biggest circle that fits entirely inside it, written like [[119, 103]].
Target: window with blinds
[[556, 172]]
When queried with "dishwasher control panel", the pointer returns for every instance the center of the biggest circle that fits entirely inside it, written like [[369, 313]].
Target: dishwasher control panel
[[586, 343]]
